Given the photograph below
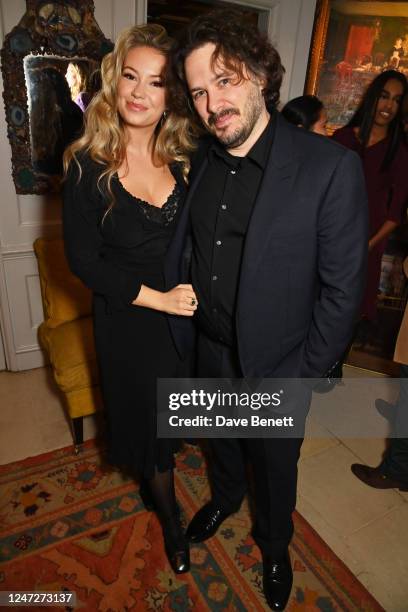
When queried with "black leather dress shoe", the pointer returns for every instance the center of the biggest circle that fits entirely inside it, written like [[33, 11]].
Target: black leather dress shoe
[[373, 477], [277, 581], [205, 523]]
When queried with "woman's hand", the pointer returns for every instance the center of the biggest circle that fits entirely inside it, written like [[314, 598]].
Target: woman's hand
[[384, 231], [181, 300]]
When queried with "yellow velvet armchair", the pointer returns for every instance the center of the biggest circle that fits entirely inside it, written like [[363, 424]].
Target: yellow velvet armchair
[[66, 333]]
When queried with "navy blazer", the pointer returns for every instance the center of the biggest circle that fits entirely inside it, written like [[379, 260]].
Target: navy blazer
[[304, 260]]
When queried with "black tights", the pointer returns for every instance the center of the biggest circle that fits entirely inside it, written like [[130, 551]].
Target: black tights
[[162, 489]]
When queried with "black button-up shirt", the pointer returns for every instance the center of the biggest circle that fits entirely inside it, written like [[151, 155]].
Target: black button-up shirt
[[220, 214]]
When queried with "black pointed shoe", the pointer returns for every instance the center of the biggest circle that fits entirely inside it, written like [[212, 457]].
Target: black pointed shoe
[[277, 581], [205, 523], [179, 559], [176, 546]]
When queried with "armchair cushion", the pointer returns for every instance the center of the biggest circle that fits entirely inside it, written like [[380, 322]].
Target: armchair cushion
[[65, 298], [71, 350]]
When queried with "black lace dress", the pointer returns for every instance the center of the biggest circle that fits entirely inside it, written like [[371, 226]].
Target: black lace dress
[[134, 346]]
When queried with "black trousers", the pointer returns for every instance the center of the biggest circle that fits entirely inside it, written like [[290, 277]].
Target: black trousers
[[273, 462], [395, 462]]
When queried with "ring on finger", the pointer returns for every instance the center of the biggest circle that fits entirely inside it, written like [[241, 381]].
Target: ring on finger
[[193, 301]]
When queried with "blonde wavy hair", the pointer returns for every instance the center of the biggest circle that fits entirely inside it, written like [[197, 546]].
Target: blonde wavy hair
[[79, 83], [104, 138]]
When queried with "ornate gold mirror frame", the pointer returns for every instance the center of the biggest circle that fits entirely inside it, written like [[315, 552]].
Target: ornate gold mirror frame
[[41, 113]]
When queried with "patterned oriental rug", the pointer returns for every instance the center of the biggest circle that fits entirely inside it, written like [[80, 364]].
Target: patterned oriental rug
[[73, 523]]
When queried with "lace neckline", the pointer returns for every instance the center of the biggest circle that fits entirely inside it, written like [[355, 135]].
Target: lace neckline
[[145, 202], [162, 215]]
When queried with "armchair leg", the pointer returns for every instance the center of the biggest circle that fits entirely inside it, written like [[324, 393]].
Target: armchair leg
[[78, 431]]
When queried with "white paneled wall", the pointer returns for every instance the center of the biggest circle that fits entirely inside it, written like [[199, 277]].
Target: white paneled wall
[[25, 217], [21, 277]]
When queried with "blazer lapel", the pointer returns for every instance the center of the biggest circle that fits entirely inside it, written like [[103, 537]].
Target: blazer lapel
[[275, 190]]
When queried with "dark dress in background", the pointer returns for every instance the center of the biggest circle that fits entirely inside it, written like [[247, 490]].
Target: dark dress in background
[[134, 345], [387, 199]]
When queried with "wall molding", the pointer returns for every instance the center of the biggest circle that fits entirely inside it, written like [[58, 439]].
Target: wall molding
[[18, 251]]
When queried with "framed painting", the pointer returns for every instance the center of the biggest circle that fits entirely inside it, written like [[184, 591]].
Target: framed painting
[[352, 42]]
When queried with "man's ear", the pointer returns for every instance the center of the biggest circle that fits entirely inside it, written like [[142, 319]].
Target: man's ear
[[263, 81]]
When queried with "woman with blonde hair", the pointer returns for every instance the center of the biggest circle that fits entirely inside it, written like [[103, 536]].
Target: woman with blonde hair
[[124, 189], [77, 82]]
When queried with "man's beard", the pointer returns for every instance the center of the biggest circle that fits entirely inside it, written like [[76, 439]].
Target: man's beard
[[252, 111]]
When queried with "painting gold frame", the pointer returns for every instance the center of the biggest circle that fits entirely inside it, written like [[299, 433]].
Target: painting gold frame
[[317, 46]]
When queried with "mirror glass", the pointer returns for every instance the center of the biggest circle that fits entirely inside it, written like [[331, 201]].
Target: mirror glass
[[58, 92]]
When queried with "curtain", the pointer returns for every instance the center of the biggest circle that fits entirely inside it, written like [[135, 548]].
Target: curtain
[[359, 44]]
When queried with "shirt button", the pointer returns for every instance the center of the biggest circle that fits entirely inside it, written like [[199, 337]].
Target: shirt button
[[224, 206], [218, 243], [214, 277]]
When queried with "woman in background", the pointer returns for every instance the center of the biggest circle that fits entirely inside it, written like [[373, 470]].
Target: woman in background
[[375, 133], [77, 83], [307, 112], [124, 190]]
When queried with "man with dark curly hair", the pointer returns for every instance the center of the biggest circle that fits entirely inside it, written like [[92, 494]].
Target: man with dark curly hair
[[278, 222]]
